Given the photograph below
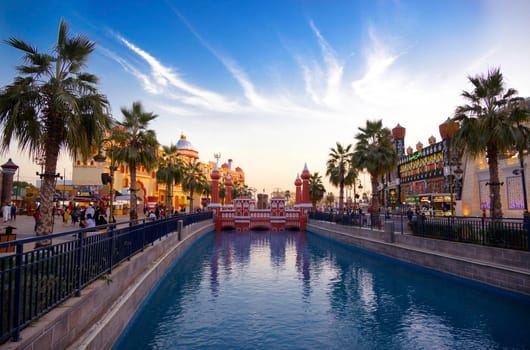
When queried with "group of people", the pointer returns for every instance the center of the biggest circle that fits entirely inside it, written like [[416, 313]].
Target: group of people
[[90, 216], [85, 217], [155, 213], [9, 212]]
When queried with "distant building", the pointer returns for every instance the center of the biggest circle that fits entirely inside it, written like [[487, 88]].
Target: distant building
[[149, 191], [427, 178]]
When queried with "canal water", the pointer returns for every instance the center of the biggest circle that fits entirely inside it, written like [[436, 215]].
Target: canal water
[[296, 290]]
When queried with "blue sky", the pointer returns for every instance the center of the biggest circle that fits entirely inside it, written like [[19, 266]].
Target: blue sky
[[274, 84]]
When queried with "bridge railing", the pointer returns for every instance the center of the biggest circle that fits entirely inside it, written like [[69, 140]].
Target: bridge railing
[[512, 233], [34, 282]]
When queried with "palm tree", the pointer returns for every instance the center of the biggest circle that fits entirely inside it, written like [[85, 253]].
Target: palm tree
[[53, 106], [135, 145], [170, 171], [316, 189], [488, 124], [340, 170], [330, 198], [193, 180], [375, 152]]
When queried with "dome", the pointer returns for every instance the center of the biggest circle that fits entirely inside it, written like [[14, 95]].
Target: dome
[[186, 149], [183, 143]]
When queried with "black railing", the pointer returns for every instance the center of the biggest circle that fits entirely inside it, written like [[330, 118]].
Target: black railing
[[34, 282], [512, 233]]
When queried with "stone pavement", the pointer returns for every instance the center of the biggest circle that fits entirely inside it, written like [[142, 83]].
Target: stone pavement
[[25, 224]]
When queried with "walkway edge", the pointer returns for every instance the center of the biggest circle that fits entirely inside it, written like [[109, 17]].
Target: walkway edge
[[106, 331], [497, 267], [96, 319]]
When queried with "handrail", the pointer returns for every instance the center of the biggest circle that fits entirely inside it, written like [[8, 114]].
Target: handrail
[[34, 282]]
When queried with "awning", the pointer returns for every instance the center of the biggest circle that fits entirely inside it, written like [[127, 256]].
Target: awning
[[86, 199], [126, 198], [55, 199]]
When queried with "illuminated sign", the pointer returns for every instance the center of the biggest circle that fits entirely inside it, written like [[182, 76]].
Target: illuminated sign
[[421, 167]]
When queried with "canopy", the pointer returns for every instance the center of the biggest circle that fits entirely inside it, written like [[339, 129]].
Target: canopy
[[126, 198]]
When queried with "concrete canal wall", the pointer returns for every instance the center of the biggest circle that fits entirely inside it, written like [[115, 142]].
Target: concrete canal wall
[[96, 319], [502, 268]]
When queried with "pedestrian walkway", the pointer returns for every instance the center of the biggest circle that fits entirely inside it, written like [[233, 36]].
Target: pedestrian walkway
[[24, 226]]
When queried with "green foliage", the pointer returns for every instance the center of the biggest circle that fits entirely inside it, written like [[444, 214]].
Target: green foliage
[[493, 122], [316, 189], [376, 153], [53, 106], [340, 170], [136, 145]]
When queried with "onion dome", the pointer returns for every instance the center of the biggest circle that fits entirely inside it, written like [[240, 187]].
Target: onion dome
[[419, 146], [186, 148], [298, 182], [228, 180], [398, 132], [305, 174], [448, 128], [216, 175], [410, 150], [9, 165], [432, 140]]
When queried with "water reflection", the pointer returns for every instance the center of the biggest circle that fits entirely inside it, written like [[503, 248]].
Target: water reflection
[[245, 290]]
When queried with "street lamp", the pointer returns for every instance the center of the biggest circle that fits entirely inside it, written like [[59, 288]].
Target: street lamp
[[107, 147]]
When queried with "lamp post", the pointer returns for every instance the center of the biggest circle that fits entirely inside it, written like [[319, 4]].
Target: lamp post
[[448, 130], [107, 147], [518, 171]]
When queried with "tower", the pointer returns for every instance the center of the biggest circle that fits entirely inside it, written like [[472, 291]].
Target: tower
[[298, 184]]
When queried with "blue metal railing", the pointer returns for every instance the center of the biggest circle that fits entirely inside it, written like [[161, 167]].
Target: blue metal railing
[[34, 282], [512, 233]]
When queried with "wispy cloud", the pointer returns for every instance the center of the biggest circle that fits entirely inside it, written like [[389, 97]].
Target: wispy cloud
[[231, 65], [166, 76], [378, 59], [334, 69], [145, 79]]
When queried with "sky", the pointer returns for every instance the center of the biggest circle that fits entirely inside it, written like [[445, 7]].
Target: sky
[[275, 84]]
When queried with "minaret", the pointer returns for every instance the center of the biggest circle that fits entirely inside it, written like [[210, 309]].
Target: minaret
[[228, 189], [215, 176], [398, 133], [298, 184], [306, 175]]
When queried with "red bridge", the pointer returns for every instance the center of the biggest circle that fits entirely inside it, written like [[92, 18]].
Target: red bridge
[[243, 215]]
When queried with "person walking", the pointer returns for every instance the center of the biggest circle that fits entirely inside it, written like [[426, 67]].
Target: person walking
[[66, 215], [13, 212], [6, 212], [36, 216]]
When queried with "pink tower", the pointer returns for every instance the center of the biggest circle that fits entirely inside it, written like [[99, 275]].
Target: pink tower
[[215, 204], [298, 184], [306, 175], [215, 176], [228, 188]]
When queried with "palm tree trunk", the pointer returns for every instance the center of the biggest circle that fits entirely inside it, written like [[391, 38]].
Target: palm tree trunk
[[341, 198], [169, 199], [191, 200], [376, 202], [494, 183], [47, 192]]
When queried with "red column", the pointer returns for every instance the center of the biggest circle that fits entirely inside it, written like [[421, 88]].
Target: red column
[[305, 185], [228, 187], [298, 184], [215, 176]]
